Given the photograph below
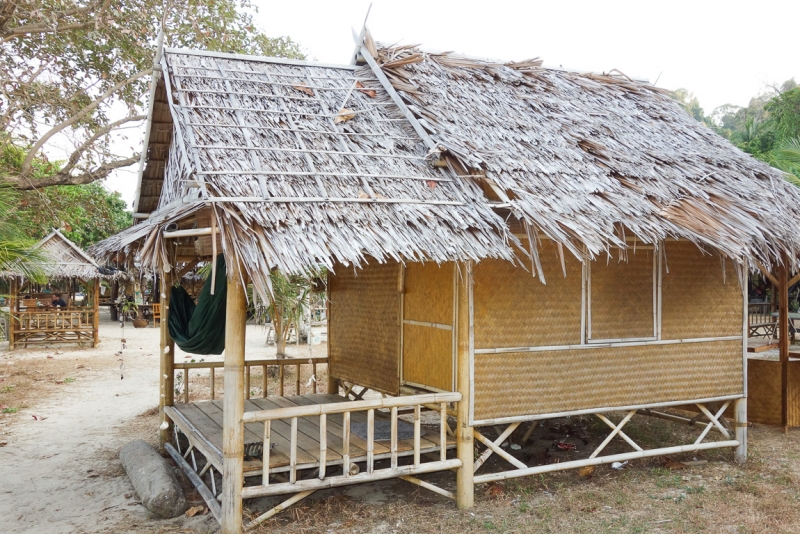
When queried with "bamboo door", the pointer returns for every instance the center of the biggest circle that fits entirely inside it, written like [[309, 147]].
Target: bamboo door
[[428, 319]]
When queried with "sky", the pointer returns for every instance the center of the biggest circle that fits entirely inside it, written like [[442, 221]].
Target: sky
[[725, 52]]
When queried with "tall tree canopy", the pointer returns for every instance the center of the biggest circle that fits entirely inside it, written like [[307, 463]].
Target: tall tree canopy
[[76, 72], [768, 127], [85, 213]]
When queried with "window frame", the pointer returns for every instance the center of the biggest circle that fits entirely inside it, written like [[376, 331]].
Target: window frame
[[587, 316]]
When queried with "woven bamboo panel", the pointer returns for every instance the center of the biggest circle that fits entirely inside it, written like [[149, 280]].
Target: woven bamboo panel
[[764, 392], [364, 325], [514, 384], [428, 356], [514, 309], [696, 300], [428, 295], [622, 297]]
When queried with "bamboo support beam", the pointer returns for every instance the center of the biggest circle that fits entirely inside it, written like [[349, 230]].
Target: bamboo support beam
[[465, 492], [96, 313], [167, 361], [783, 339], [740, 429], [233, 405], [666, 451], [428, 486], [495, 448], [280, 508]]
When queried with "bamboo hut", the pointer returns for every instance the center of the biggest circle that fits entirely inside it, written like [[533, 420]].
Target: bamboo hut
[[33, 320], [506, 243]]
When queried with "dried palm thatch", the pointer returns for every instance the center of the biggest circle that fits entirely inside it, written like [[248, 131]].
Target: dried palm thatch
[[68, 261], [581, 157], [304, 165]]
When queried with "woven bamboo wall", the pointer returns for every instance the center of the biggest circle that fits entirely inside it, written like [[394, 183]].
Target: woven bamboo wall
[[764, 392], [428, 356], [514, 309], [428, 294], [622, 296], [364, 325], [696, 300], [427, 350], [517, 384]]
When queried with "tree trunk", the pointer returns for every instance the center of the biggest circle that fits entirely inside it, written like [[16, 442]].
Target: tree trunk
[[280, 335]]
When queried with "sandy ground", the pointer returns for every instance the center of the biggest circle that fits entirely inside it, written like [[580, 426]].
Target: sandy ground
[[59, 468]]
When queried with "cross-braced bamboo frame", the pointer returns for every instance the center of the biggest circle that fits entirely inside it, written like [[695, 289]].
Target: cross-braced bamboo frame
[[714, 421]]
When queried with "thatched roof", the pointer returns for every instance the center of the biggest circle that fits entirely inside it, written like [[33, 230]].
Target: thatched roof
[[415, 154], [584, 157], [67, 261], [305, 165]]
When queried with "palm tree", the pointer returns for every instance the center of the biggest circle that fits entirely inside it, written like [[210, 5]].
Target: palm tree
[[786, 157], [16, 249]]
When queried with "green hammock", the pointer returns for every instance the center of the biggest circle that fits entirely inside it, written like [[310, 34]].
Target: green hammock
[[200, 329]]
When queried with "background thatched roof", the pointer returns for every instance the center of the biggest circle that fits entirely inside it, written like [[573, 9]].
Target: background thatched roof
[[581, 157], [68, 261]]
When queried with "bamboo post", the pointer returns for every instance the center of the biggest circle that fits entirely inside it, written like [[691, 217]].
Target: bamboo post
[[96, 309], [12, 308], [783, 338], [464, 436], [233, 404], [114, 297], [740, 424], [333, 384], [167, 358]]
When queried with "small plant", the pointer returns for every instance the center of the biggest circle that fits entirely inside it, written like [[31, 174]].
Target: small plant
[[69, 380], [10, 410], [7, 389], [129, 307]]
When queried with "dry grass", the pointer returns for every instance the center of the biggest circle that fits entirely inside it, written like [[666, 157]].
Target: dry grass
[[25, 383], [643, 497]]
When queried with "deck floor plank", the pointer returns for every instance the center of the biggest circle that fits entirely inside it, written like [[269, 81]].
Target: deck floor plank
[[336, 425], [309, 426], [307, 447], [205, 418]]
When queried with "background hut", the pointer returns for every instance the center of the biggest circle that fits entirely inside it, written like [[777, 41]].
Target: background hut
[[71, 272], [506, 243]]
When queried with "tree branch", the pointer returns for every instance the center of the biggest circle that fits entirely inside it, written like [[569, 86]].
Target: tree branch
[[78, 152], [22, 31], [26, 165], [23, 183]]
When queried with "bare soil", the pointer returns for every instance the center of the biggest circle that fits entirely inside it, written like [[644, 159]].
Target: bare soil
[[67, 411]]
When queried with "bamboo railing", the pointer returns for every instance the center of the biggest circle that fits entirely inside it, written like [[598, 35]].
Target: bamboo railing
[[265, 364], [760, 320], [47, 325], [351, 473]]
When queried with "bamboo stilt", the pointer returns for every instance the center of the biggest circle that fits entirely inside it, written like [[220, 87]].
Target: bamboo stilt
[[12, 308], [783, 339], [167, 359], [465, 491], [96, 315], [740, 424], [233, 405]]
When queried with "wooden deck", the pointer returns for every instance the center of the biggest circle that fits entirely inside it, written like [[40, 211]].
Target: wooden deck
[[201, 422]]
